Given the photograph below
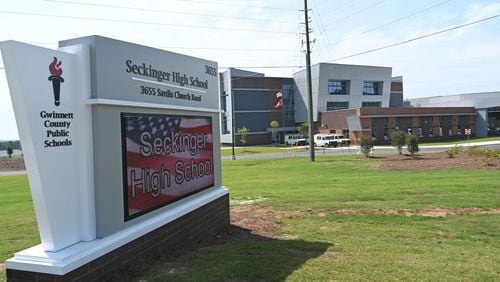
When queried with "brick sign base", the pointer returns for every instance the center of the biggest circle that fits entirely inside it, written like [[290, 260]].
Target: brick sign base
[[193, 228]]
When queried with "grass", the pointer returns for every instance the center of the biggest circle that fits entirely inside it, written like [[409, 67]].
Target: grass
[[319, 243], [17, 217], [251, 150], [353, 182], [330, 246]]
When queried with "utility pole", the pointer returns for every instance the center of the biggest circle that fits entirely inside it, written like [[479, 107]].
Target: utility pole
[[308, 86], [233, 123]]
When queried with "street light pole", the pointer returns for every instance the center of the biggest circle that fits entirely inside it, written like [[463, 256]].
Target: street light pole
[[309, 87]]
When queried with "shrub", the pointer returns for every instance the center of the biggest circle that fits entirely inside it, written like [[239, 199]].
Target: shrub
[[453, 151], [398, 140], [412, 144], [243, 135], [450, 153], [474, 151], [366, 145], [489, 157]]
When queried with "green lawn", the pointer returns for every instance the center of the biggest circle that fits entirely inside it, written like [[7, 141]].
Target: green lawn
[[316, 241], [250, 150], [18, 228], [325, 245]]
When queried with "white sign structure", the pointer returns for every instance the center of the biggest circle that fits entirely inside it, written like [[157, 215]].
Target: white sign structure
[[56, 135], [71, 107]]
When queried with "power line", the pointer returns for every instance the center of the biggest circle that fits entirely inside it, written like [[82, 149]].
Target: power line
[[394, 21], [339, 7], [357, 12], [262, 67], [387, 46], [227, 49], [240, 5], [323, 31], [195, 48], [165, 11], [416, 38], [141, 22]]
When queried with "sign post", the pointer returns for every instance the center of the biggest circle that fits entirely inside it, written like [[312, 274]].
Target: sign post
[[468, 132]]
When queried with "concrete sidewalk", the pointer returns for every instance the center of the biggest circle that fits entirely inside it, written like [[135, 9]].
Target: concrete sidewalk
[[12, 172]]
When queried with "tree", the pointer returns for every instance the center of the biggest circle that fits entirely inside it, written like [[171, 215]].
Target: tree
[[274, 125], [412, 144], [10, 151], [366, 145], [398, 140], [243, 132], [304, 129]]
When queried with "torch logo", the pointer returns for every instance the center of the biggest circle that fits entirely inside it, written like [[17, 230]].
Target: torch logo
[[56, 78]]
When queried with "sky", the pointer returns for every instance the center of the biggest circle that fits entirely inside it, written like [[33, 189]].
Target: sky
[[268, 36]]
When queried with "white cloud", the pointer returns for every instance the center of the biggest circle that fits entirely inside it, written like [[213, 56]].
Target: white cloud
[[482, 10]]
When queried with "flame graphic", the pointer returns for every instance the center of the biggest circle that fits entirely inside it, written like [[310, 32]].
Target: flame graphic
[[55, 67]]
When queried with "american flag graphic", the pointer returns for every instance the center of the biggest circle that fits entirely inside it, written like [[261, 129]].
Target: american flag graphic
[[141, 197]]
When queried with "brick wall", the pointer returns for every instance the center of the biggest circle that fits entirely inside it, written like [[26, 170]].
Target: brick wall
[[186, 232]]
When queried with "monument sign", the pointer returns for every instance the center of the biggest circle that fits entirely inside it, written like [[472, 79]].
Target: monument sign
[[119, 141]]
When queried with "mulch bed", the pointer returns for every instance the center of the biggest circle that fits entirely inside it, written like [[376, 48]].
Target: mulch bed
[[433, 161]]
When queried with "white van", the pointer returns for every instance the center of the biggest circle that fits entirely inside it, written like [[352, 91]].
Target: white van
[[295, 140], [325, 140]]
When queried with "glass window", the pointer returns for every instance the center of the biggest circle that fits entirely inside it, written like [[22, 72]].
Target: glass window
[[372, 88], [494, 121], [333, 106], [337, 87], [224, 101], [224, 125], [288, 105], [371, 104]]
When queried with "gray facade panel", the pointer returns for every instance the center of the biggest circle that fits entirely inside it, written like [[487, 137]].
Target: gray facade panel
[[251, 100], [482, 123], [256, 122], [396, 100]]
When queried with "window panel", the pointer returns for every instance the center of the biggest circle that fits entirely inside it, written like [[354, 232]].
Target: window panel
[[338, 87], [372, 88], [371, 104], [333, 106]]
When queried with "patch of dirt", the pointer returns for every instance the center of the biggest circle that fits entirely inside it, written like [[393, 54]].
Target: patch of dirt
[[261, 221], [436, 212], [433, 161], [12, 164]]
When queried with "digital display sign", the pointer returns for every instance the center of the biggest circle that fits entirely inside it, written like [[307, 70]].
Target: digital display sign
[[165, 158]]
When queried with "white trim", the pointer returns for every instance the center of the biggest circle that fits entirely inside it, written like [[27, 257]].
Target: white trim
[[35, 259], [112, 102]]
